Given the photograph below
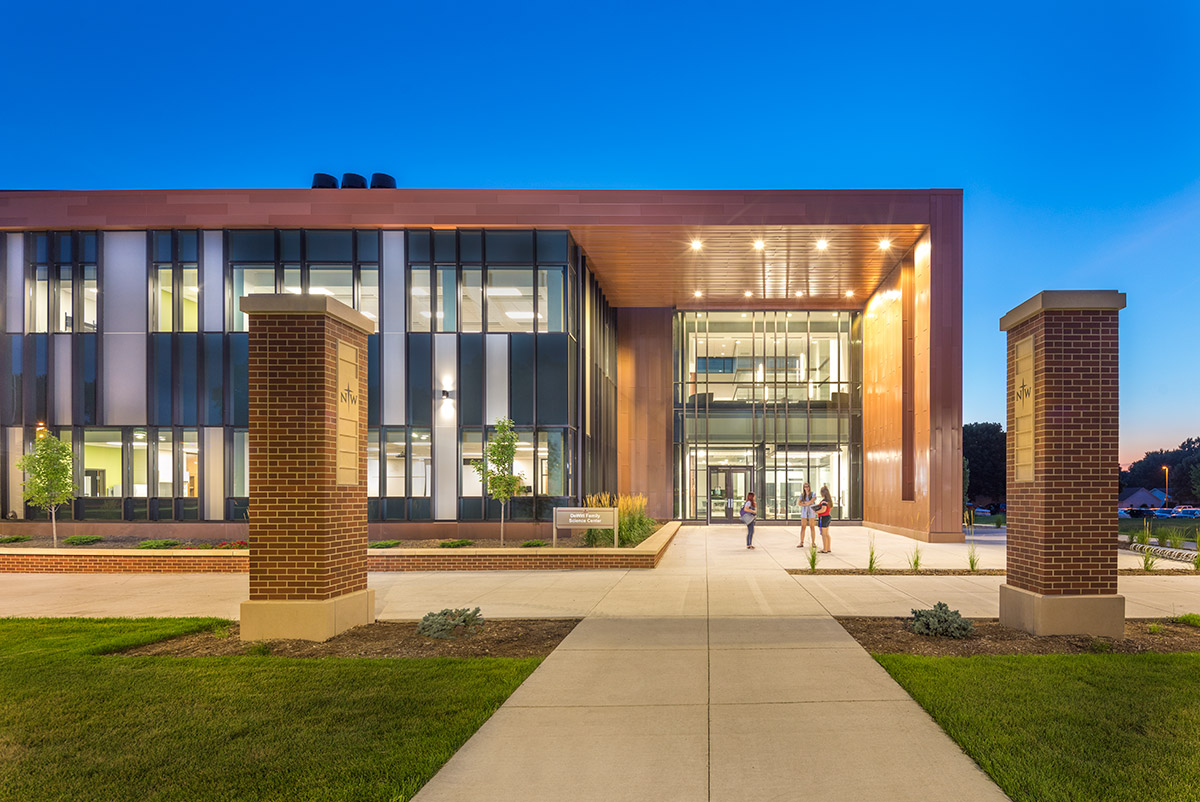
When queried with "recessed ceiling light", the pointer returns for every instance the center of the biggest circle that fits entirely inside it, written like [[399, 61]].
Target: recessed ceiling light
[[849, 293], [697, 245], [884, 244], [799, 293], [759, 245], [743, 314], [698, 294], [822, 244], [747, 293]]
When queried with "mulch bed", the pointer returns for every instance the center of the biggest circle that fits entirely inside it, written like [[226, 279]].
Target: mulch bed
[[1170, 571], [499, 637], [893, 636]]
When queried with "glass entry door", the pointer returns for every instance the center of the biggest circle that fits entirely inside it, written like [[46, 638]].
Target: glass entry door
[[727, 489]]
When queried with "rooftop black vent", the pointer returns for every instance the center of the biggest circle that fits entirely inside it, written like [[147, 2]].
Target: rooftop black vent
[[382, 181], [324, 181], [353, 181]]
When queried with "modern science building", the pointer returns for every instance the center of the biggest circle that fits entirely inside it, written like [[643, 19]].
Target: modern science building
[[687, 345]]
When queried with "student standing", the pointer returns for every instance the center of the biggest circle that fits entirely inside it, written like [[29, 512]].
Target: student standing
[[808, 518], [749, 514], [824, 511]]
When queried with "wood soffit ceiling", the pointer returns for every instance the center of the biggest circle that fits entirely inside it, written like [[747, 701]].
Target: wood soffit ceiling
[[656, 265]]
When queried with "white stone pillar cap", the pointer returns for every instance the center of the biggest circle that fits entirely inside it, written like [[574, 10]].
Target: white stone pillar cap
[[289, 303], [1049, 300]]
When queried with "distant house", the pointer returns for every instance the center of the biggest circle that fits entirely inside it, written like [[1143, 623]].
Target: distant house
[[1138, 497]]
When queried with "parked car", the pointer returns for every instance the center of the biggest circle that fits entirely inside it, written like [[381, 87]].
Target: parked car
[[1186, 512], [1164, 512], [1123, 514]]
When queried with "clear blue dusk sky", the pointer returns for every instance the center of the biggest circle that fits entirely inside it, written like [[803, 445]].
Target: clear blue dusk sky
[[1073, 128]]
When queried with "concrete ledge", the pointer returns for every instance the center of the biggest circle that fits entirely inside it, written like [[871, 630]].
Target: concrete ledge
[[1041, 614], [918, 534], [208, 561], [317, 620], [1063, 300], [292, 304]]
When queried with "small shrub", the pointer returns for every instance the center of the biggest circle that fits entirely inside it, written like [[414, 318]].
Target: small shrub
[[914, 559], [260, 649], [1001, 520], [15, 538], [1100, 646], [82, 540], [942, 622], [533, 544], [1155, 629], [872, 557], [972, 558], [384, 544], [1148, 561], [813, 556], [448, 624], [456, 544], [1191, 619], [158, 544]]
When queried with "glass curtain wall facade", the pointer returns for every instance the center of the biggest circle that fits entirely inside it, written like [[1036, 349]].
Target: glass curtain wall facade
[[766, 401], [514, 317]]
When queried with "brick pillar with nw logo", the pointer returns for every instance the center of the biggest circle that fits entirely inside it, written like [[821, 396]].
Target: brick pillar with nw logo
[[308, 468], [1063, 465]]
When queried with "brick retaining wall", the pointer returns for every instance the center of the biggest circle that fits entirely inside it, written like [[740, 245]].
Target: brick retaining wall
[[187, 561]]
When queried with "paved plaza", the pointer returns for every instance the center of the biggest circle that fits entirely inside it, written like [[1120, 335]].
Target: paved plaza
[[715, 676]]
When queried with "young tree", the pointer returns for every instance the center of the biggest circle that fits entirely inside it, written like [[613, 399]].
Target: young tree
[[496, 468], [49, 476]]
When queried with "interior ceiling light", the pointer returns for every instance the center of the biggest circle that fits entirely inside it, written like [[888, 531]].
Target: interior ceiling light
[[849, 293], [799, 293], [697, 245], [822, 244], [759, 245], [747, 293], [884, 244], [698, 294]]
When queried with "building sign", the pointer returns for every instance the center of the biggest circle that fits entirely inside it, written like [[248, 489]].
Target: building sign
[[349, 407], [585, 517], [1022, 391]]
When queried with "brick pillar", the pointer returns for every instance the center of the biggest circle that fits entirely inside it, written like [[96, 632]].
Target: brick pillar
[[1062, 465], [308, 468]]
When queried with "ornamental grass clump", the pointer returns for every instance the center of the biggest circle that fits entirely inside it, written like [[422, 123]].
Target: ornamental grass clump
[[633, 524], [812, 555], [872, 557], [448, 624], [1148, 561], [972, 558], [942, 622], [914, 559]]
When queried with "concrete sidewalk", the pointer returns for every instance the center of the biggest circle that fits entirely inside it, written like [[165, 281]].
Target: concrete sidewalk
[[717, 676]]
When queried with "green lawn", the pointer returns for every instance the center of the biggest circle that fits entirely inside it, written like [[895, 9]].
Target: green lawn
[[75, 725], [1186, 527], [1069, 727]]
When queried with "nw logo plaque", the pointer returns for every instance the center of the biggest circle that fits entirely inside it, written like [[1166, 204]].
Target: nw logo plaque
[[1023, 403], [347, 415]]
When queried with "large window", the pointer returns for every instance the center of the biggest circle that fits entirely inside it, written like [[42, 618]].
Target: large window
[[776, 393], [340, 264], [498, 281], [62, 266], [175, 281]]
